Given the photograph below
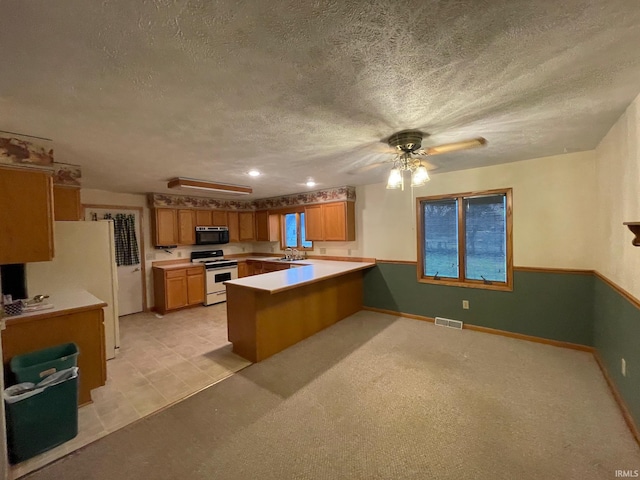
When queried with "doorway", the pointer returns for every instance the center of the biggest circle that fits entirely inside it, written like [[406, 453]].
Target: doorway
[[132, 289]]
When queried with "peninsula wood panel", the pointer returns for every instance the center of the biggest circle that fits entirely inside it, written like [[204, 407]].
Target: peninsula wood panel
[[261, 324], [26, 216], [85, 329]]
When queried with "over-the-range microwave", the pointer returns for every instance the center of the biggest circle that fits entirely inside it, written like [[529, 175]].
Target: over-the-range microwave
[[212, 235]]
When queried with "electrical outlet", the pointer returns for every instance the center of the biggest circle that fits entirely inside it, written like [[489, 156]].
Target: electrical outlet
[[349, 252], [465, 304], [623, 367], [179, 254], [243, 249]]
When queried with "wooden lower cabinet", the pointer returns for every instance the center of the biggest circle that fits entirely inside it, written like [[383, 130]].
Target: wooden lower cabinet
[[274, 267], [254, 267], [195, 286], [243, 269], [178, 288], [175, 286], [83, 327]]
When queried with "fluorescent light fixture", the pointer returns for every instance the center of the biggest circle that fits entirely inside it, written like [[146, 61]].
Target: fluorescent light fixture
[[310, 183], [254, 173], [228, 188]]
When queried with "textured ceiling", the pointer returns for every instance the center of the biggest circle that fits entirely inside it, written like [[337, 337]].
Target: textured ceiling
[[138, 92]]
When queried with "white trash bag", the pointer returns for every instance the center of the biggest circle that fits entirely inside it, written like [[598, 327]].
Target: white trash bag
[[22, 391]]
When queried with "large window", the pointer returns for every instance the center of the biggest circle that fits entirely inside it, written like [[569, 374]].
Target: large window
[[465, 239], [294, 232]]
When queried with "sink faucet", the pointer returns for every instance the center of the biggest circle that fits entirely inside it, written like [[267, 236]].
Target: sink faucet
[[296, 254], [288, 253]]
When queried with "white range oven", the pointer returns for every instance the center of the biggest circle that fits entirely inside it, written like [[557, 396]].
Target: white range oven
[[217, 270]]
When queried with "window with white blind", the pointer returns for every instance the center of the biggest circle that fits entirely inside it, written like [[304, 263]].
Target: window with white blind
[[465, 239]]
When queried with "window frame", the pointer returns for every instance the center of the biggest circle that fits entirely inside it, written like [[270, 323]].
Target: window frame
[[461, 281], [283, 239]]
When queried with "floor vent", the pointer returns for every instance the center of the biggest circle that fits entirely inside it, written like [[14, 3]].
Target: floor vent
[[445, 322]]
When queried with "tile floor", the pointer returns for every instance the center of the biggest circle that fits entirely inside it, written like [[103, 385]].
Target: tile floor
[[161, 361]]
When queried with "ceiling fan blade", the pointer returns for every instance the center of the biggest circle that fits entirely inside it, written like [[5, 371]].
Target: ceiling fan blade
[[454, 147], [367, 168]]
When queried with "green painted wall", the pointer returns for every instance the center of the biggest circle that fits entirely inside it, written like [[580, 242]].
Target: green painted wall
[[557, 306], [616, 334]]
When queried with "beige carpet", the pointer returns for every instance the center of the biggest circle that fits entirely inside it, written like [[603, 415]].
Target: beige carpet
[[380, 397]]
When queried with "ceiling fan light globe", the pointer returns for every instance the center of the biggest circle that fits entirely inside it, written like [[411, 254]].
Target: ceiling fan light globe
[[395, 179], [420, 176]]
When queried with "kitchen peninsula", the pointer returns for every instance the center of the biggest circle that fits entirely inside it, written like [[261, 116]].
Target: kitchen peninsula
[[270, 312]]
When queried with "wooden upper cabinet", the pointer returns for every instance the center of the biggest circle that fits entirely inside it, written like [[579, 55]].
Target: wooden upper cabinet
[[233, 222], [274, 227], [331, 222], [262, 226], [209, 218], [66, 203], [314, 222], [203, 218], [186, 227], [339, 221], [219, 218], [247, 230], [26, 216], [166, 227]]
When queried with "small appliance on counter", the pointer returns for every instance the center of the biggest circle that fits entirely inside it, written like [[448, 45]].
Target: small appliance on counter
[[218, 270]]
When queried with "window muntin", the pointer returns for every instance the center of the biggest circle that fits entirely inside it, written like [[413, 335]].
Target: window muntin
[[465, 239]]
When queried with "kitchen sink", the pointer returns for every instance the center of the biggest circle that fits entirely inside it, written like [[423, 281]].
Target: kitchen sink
[[287, 259]]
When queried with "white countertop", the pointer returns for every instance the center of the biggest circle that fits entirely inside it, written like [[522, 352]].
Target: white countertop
[[311, 271], [62, 302]]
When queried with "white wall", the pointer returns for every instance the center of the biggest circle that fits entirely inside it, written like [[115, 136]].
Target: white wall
[[618, 192], [553, 203]]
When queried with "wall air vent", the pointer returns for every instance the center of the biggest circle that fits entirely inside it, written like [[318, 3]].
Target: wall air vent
[[446, 322]]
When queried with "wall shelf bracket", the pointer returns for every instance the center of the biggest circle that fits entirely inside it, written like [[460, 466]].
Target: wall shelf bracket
[[635, 228]]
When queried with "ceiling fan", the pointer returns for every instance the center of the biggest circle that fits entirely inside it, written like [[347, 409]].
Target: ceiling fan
[[407, 143]]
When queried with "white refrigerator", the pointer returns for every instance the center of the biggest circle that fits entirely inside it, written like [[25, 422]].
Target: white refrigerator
[[84, 259]]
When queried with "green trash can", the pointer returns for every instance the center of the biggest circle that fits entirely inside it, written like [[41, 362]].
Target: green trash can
[[42, 411]]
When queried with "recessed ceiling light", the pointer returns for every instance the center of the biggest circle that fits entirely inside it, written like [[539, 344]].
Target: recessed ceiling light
[[254, 173], [311, 183]]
